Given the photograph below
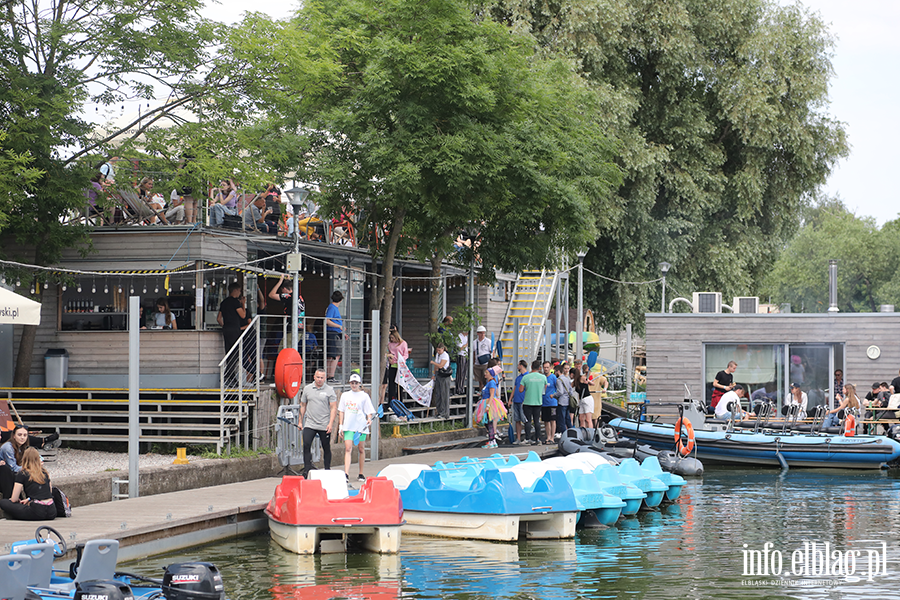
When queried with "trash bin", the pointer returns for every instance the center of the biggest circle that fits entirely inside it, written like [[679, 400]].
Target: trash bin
[[56, 367]]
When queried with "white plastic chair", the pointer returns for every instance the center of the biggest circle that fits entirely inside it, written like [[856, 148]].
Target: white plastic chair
[[98, 561], [333, 482], [404, 474], [41, 563], [14, 570]]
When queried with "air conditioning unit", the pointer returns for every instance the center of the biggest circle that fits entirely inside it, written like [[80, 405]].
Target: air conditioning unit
[[707, 302], [746, 304]]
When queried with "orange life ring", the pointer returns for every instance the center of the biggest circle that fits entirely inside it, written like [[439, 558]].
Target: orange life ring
[[684, 449]]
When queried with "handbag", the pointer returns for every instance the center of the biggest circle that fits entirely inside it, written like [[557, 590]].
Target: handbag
[[445, 372], [483, 359]]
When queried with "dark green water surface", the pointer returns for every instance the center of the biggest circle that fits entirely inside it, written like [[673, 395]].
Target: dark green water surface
[[691, 549]]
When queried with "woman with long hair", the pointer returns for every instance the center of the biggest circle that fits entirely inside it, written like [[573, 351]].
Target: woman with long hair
[[11, 459], [32, 495], [222, 202], [848, 400], [397, 349], [145, 193], [163, 317], [490, 409], [585, 400]]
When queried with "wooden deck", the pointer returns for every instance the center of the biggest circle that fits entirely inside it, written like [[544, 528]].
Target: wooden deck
[[166, 522]]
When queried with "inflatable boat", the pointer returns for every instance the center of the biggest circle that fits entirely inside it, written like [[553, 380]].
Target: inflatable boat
[[605, 442], [320, 514], [721, 443]]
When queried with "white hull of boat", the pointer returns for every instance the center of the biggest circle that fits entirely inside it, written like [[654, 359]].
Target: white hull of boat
[[499, 528], [309, 539]]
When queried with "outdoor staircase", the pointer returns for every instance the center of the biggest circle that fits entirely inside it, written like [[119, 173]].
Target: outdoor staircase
[[166, 416], [531, 301]]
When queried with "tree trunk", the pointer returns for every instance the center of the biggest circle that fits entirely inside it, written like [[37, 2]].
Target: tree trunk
[[387, 305], [25, 356]]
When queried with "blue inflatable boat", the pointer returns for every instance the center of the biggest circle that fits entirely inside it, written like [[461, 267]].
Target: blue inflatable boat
[[717, 443]]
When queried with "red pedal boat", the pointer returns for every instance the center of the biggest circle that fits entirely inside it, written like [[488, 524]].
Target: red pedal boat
[[319, 514]]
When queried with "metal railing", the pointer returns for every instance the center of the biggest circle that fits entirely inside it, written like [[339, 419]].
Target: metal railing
[[248, 366], [239, 382]]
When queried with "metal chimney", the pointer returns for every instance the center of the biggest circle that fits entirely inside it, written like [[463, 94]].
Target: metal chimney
[[832, 286]]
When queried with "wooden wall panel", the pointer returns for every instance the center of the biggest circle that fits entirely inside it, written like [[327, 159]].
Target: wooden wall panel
[[674, 344]]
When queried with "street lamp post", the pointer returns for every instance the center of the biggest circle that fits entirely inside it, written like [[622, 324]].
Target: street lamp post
[[664, 267], [579, 318], [298, 200]]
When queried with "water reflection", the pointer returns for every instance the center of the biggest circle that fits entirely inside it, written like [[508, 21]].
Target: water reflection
[[693, 549]]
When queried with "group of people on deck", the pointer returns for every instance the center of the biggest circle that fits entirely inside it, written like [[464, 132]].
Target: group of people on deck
[[727, 395]]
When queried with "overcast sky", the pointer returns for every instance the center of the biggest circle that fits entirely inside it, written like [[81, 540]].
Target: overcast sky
[[863, 93]]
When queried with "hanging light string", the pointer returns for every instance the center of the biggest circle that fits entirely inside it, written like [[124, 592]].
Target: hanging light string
[[623, 282], [418, 281], [183, 270]]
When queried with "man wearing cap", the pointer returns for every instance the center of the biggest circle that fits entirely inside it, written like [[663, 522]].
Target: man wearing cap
[[318, 408], [731, 401], [356, 414], [482, 354], [796, 397]]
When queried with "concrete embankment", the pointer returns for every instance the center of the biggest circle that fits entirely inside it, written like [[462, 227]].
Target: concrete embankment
[[84, 490]]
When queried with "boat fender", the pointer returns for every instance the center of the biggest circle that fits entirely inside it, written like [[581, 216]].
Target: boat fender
[[684, 449], [850, 426]]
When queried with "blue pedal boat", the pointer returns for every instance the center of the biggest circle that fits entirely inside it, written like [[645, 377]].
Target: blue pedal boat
[[492, 505]]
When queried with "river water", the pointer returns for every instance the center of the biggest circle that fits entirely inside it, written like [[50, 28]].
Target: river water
[[699, 547]]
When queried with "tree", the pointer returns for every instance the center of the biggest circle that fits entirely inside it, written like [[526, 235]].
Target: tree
[[868, 263], [54, 56], [721, 111], [435, 120]]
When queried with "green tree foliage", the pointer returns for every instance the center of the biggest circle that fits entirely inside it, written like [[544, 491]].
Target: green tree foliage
[[437, 120], [868, 263], [54, 57], [721, 110]]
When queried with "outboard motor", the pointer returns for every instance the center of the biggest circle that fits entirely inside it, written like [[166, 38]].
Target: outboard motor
[[193, 581], [671, 461], [103, 590]]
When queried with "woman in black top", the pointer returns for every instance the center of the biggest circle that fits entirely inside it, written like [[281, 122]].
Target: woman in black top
[[32, 497]]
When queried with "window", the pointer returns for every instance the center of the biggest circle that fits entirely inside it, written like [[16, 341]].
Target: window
[[497, 292]]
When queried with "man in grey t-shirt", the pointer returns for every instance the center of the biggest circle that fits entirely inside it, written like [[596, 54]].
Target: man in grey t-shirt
[[318, 408]]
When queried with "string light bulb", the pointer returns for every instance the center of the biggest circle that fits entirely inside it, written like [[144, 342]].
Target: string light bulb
[[64, 286], [105, 288], [79, 288], [156, 289], [93, 288], [46, 285]]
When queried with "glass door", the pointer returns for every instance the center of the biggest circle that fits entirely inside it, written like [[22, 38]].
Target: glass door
[[812, 366]]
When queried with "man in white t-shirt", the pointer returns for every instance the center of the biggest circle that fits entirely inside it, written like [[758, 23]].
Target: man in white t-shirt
[[732, 396], [482, 354], [356, 414]]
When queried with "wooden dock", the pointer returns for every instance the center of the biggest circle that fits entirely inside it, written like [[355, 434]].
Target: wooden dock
[[167, 522]]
